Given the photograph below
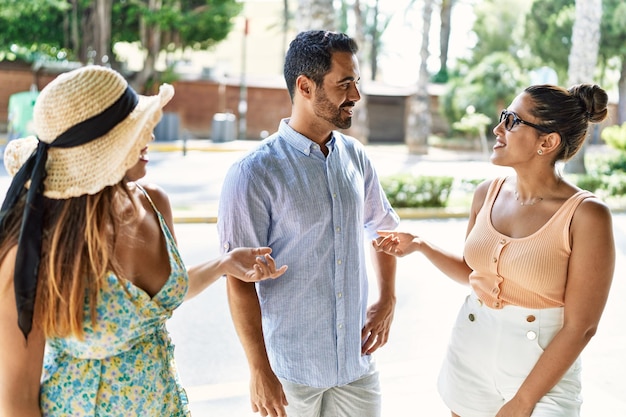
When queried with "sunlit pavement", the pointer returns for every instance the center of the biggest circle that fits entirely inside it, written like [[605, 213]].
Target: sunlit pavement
[[214, 371], [211, 361]]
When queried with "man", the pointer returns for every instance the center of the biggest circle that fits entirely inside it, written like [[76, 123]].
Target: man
[[311, 194]]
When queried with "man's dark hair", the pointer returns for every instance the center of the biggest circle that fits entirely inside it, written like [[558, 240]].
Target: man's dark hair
[[310, 54]]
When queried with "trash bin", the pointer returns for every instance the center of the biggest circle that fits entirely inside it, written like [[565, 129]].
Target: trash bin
[[21, 114], [168, 128], [223, 127]]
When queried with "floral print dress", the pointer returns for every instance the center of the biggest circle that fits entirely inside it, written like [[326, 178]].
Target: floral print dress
[[125, 364]]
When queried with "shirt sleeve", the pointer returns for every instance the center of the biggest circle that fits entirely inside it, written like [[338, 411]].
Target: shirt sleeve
[[379, 215], [243, 213]]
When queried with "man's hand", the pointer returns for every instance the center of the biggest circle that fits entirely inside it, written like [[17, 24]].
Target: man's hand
[[266, 395], [375, 333]]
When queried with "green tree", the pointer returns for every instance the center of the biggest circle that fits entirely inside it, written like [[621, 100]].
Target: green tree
[[549, 33], [613, 46], [32, 28], [82, 27], [488, 87], [498, 28], [549, 28]]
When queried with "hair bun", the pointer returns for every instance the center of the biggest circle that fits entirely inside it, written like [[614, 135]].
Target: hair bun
[[593, 99]]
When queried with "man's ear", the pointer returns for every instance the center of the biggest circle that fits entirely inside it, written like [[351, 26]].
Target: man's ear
[[304, 86]]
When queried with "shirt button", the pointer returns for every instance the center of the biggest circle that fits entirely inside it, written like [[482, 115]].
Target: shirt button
[[530, 318], [495, 290], [341, 326], [496, 304], [531, 335], [334, 195], [471, 317], [495, 260], [339, 262], [502, 242], [338, 229], [339, 295]]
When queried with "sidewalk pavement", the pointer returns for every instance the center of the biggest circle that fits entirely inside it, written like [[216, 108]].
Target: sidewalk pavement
[[203, 164], [214, 370], [211, 361], [427, 301]]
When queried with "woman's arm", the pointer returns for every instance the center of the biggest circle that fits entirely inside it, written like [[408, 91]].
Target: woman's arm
[[21, 360], [452, 265], [246, 264], [589, 277]]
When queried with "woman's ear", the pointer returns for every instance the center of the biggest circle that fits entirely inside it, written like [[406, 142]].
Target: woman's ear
[[550, 143]]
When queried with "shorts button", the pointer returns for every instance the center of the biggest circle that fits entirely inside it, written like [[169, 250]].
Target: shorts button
[[530, 318], [531, 335], [471, 317]]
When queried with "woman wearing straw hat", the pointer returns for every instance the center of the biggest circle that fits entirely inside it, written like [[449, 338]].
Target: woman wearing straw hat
[[89, 270]]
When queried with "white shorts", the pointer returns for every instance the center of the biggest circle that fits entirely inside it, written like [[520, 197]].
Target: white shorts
[[360, 398], [490, 354]]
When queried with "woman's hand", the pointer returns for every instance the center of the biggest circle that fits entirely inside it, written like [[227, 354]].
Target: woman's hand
[[252, 264], [395, 243]]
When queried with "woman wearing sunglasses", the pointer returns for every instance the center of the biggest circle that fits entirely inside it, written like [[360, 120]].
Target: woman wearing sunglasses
[[539, 258]]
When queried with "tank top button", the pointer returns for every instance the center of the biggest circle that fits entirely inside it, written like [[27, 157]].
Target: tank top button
[[530, 318]]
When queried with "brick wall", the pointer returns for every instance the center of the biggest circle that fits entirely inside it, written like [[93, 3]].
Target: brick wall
[[196, 102]]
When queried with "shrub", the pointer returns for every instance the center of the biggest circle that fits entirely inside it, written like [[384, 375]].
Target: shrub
[[408, 191], [615, 136]]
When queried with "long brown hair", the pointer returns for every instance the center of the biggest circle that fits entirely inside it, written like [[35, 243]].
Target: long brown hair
[[78, 252]]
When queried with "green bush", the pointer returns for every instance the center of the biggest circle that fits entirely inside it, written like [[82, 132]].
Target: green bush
[[407, 191], [615, 136], [588, 182]]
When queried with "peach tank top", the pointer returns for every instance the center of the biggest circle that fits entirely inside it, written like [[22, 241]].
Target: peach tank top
[[529, 272]]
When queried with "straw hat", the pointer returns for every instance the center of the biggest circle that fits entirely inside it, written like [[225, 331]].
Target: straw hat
[[72, 98]]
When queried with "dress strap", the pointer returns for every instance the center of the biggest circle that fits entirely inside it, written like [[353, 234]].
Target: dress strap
[[143, 190]]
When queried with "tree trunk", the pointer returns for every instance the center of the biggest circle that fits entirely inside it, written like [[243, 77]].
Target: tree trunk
[[102, 31], [444, 34], [151, 40], [419, 120], [375, 43], [360, 127], [583, 59], [621, 88], [316, 14], [285, 29]]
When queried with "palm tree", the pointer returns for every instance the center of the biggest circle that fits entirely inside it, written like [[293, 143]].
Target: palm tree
[[583, 58], [419, 120]]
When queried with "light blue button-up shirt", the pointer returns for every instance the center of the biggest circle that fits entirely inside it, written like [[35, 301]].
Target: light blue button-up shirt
[[316, 213]]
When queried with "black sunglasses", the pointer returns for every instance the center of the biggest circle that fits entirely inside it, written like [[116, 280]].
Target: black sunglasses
[[511, 119]]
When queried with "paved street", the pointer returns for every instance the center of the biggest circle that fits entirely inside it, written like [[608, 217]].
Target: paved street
[[211, 362], [214, 370]]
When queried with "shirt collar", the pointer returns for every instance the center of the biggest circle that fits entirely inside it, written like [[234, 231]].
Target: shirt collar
[[298, 140]]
